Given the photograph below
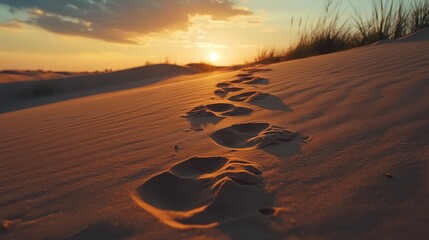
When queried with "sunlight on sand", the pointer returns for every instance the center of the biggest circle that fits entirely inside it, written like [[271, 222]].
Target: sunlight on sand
[[327, 147]]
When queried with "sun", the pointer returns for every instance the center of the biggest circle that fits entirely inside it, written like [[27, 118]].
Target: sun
[[213, 56]]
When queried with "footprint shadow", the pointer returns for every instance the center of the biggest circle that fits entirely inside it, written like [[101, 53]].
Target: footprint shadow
[[262, 100], [248, 136], [272, 103], [206, 192], [258, 81], [220, 92], [286, 149], [252, 81], [244, 75], [224, 88], [214, 113]]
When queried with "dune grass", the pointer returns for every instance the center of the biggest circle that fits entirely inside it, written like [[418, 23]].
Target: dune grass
[[388, 20], [269, 55], [329, 34], [419, 15], [333, 32]]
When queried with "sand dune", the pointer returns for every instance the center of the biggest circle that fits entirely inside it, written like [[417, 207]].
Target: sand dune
[[421, 35], [9, 76], [123, 164], [103, 82]]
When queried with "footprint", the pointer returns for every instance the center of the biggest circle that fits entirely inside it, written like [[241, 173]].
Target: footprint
[[203, 192], [257, 81], [232, 89], [242, 79], [249, 96], [252, 80], [252, 135], [220, 92], [225, 88], [224, 85], [224, 91], [218, 110], [262, 100]]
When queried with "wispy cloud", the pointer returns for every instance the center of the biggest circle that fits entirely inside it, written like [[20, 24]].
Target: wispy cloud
[[120, 21], [11, 24]]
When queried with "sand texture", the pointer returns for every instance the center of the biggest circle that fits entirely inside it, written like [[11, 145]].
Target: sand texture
[[328, 147]]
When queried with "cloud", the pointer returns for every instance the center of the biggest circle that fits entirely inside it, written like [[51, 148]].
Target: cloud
[[119, 21], [11, 24]]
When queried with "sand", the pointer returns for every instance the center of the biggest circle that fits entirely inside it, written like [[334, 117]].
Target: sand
[[10, 76], [24, 94], [328, 147]]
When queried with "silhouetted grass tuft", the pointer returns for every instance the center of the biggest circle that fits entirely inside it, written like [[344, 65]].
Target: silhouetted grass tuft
[[419, 15], [267, 55], [388, 20], [328, 35]]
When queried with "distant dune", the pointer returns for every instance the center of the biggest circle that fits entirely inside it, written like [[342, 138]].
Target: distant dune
[[204, 67], [8, 76], [16, 91]]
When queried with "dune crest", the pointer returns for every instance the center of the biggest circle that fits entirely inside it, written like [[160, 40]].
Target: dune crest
[[204, 192]]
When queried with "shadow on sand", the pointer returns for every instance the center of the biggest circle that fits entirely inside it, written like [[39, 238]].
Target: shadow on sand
[[21, 95], [284, 150], [272, 103]]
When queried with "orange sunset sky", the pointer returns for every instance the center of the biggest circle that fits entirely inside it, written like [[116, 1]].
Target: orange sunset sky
[[79, 35]]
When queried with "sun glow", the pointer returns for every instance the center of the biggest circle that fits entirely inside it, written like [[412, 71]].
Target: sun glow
[[213, 56]]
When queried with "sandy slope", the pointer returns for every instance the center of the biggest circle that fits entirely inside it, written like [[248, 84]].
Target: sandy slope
[[24, 94], [9, 76], [301, 151]]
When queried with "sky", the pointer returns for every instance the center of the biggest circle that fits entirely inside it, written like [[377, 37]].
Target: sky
[[89, 35]]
